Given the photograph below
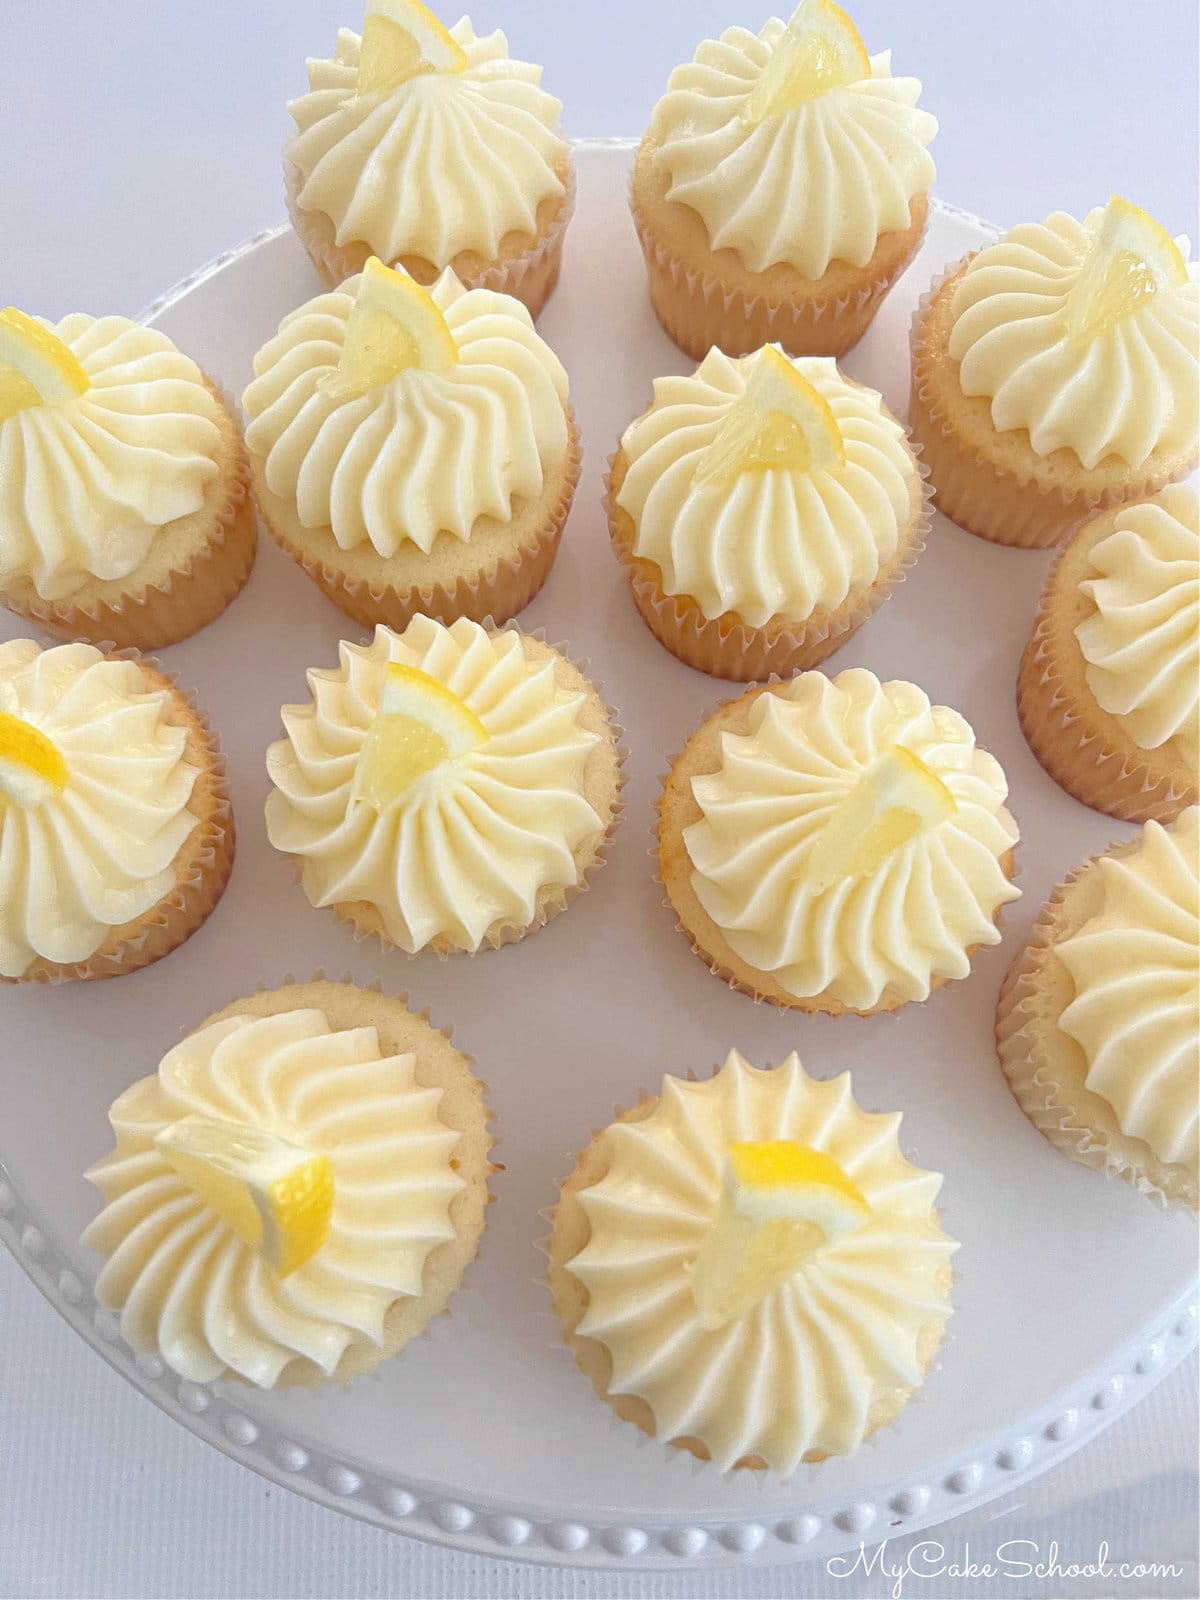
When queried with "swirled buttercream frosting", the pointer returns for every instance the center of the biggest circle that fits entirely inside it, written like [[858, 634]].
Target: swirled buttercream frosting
[[94, 800], [424, 452], [780, 542], [850, 1333], [1135, 970], [758, 851], [442, 163]]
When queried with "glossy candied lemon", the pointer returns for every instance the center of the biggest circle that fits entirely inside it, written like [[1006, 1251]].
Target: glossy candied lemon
[[780, 1202], [32, 768], [1132, 258], [36, 367], [820, 49], [400, 39], [419, 725], [780, 423], [394, 326], [895, 799], [274, 1195]]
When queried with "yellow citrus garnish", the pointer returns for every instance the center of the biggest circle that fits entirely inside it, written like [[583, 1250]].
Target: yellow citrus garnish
[[400, 39], [780, 1202], [896, 798], [31, 766], [1132, 258], [780, 423], [274, 1195], [820, 49], [36, 367], [419, 725], [394, 326]]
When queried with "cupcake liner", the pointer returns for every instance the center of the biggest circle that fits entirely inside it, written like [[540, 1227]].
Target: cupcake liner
[[1068, 1115], [529, 277], [186, 600]]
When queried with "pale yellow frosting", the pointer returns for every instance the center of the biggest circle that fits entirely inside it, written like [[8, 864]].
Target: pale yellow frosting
[[756, 847], [472, 842], [445, 162], [774, 543], [86, 484], [99, 853], [188, 1288], [1135, 967], [1142, 641], [1129, 390], [802, 1370], [423, 454], [807, 187]]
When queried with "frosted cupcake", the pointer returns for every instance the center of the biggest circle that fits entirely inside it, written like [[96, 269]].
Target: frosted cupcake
[[1098, 1024], [430, 148], [762, 510], [781, 188], [116, 837], [446, 788], [125, 514], [749, 1269], [1057, 373], [1109, 692], [413, 449], [296, 1192], [836, 844]]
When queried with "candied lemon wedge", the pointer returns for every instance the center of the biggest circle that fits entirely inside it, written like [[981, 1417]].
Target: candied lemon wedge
[[419, 725], [1132, 258], [820, 49], [780, 423], [36, 367], [400, 39], [395, 325], [780, 1202], [894, 800], [274, 1195], [32, 768]]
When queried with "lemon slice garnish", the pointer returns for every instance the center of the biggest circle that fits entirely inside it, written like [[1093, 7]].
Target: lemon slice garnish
[[780, 423], [400, 39], [395, 326], [36, 367], [32, 769], [420, 725], [274, 1195], [896, 798], [820, 49], [780, 1202], [1132, 258]]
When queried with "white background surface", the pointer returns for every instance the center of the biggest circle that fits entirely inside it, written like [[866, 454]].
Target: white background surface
[[140, 137]]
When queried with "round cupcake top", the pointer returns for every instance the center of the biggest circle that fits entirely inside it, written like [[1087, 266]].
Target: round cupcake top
[[94, 792], [1135, 971], [1141, 637], [833, 1322], [451, 158], [781, 531], [1087, 335], [793, 145], [334, 1147], [460, 431], [853, 842], [438, 776], [107, 434]]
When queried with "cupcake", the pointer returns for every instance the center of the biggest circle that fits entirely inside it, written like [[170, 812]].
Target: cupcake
[[1057, 373], [749, 1269], [296, 1191], [116, 836], [430, 148], [413, 449], [762, 510], [125, 514], [836, 844], [1098, 1025], [1109, 691], [446, 788], [782, 188]]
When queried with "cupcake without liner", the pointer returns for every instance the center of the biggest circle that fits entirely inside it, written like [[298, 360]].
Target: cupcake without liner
[[116, 832], [381, 1129], [1109, 688], [773, 570], [1098, 1022]]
